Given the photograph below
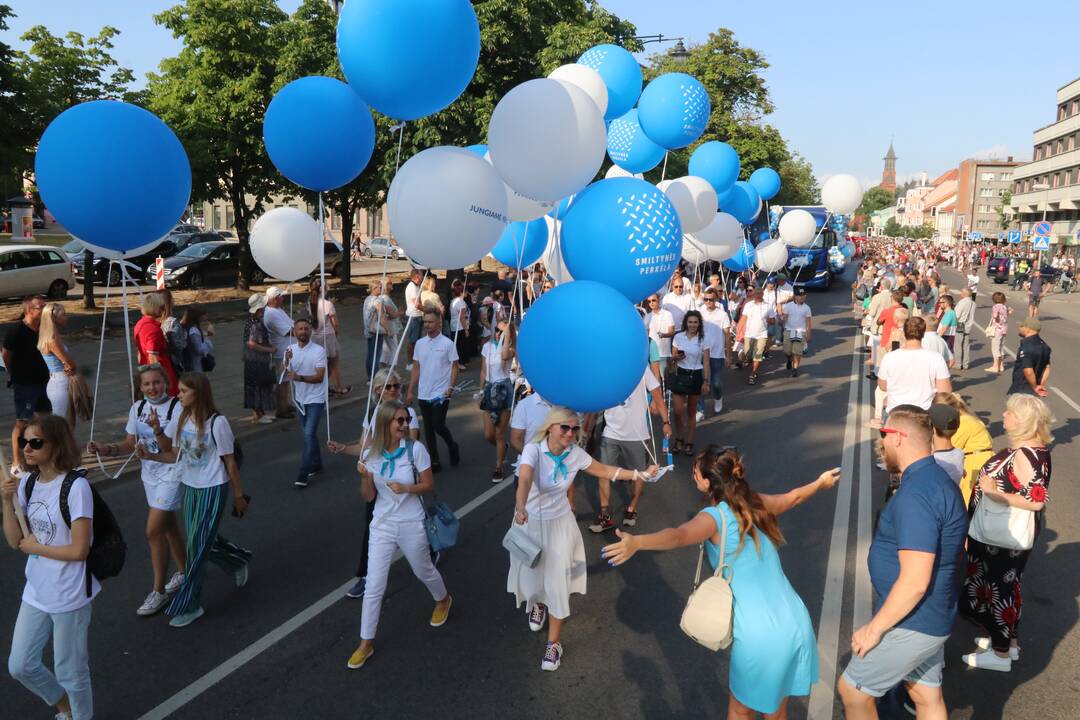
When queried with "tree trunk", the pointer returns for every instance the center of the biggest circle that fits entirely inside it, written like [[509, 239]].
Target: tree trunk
[[347, 210], [88, 280], [241, 218]]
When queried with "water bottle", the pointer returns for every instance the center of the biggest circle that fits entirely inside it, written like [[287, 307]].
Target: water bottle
[[666, 447]]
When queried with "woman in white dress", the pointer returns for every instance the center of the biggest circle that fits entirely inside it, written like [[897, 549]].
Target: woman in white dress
[[58, 359], [546, 473]]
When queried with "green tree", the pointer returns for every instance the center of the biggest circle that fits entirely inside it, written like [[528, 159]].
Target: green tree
[[1005, 220], [214, 96], [18, 135], [875, 199], [894, 229]]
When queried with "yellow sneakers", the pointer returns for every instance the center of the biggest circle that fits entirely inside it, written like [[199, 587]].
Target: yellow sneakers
[[441, 613], [358, 658]]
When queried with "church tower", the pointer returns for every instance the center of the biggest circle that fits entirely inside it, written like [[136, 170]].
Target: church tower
[[888, 175]]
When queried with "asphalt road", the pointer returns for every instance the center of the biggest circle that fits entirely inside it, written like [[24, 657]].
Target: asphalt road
[[277, 648]]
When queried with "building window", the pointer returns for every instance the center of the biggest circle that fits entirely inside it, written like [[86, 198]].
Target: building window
[[1061, 112], [228, 217], [987, 177], [986, 192], [1057, 180], [1071, 142], [217, 218], [1006, 176]]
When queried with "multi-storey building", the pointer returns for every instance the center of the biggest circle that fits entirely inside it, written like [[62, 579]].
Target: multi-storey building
[[982, 185]]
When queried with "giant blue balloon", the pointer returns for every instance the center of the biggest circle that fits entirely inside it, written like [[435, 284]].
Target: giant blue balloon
[[95, 152], [723, 200], [319, 133], [766, 181], [673, 110], [586, 366], [718, 163], [620, 73], [744, 203], [629, 147], [559, 211], [408, 58], [522, 243], [743, 259], [625, 233], [479, 149]]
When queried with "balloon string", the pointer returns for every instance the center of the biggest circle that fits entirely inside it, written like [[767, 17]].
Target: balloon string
[[798, 273], [663, 171], [322, 301]]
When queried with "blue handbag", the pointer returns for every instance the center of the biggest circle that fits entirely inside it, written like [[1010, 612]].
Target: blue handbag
[[440, 522]]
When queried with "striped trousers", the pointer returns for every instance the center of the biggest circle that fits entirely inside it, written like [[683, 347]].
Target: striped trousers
[[203, 508]]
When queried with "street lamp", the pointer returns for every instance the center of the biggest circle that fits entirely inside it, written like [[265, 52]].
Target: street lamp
[[1046, 205], [677, 52]]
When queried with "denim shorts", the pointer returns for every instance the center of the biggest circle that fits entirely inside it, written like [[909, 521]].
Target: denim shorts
[[31, 400], [902, 655]]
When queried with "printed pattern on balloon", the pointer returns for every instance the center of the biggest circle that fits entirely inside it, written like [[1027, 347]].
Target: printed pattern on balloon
[[621, 135], [654, 231], [696, 108], [593, 58]]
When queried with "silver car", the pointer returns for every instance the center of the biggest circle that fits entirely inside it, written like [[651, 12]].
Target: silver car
[[35, 270], [381, 247]]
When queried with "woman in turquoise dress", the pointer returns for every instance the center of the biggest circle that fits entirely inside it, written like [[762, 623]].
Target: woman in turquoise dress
[[774, 652]]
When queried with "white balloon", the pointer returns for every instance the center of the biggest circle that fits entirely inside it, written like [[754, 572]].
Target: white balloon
[[519, 207], [616, 172], [547, 139], [723, 232], [694, 199], [797, 228], [697, 253], [447, 207], [841, 194], [552, 257], [586, 79], [771, 255], [285, 243]]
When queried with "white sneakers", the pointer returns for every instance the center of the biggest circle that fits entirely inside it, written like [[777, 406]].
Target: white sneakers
[[718, 405], [700, 416], [983, 643], [153, 602], [175, 583], [537, 617], [552, 657], [988, 660]]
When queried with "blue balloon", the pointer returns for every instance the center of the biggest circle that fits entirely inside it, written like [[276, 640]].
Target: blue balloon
[[94, 150], [744, 203], [723, 200], [629, 147], [319, 133], [743, 259], [480, 149], [674, 109], [588, 367], [620, 73], [408, 58], [559, 211], [522, 243], [766, 181], [625, 233], [718, 163]]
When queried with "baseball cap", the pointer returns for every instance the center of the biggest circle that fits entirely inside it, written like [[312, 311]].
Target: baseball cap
[[274, 292], [800, 291], [256, 302], [1031, 323], [944, 418]]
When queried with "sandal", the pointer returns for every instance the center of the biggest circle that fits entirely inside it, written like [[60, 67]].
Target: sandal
[[688, 449], [676, 446]]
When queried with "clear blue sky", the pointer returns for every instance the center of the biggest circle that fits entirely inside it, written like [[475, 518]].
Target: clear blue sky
[[845, 76]]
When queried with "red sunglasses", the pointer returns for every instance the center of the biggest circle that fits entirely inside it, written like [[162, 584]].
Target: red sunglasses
[[886, 430]]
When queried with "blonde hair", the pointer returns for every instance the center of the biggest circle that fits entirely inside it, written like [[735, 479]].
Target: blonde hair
[[1032, 416], [954, 401], [556, 416], [153, 304], [381, 438], [428, 283], [49, 329]]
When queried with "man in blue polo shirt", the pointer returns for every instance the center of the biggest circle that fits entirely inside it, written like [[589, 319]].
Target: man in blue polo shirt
[[916, 569]]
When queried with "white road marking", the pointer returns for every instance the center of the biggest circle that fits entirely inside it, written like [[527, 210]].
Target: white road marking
[[1066, 398], [294, 623], [864, 534], [823, 694]]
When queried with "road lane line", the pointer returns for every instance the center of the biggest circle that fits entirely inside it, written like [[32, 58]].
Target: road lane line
[[1066, 398], [823, 693], [863, 600], [279, 633]]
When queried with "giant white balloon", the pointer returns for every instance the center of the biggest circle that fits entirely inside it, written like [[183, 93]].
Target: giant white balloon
[[547, 139], [771, 255], [519, 207], [841, 194], [694, 200], [552, 257], [697, 253], [585, 78], [447, 207], [285, 243], [723, 232], [615, 171], [797, 228]]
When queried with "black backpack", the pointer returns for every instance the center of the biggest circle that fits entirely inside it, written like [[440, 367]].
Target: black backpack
[[108, 549], [168, 413]]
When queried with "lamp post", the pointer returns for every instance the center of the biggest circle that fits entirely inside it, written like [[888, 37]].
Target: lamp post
[[677, 52], [1046, 205]]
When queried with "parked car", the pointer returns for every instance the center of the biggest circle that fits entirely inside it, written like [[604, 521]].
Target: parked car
[[202, 265], [136, 265], [185, 228], [333, 255], [382, 247], [997, 269], [33, 270], [186, 240]]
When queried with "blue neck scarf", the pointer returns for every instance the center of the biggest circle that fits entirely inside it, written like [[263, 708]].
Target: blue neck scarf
[[389, 462], [560, 465]]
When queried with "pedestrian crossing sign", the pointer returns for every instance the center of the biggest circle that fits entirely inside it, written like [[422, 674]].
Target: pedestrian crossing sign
[[1042, 242]]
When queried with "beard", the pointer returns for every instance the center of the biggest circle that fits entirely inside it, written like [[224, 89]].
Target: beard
[[890, 463]]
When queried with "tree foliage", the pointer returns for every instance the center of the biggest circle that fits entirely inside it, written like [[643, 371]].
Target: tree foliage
[[1005, 219], [874, 199]]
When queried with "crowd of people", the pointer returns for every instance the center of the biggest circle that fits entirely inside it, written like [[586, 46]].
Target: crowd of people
[[938, 453]]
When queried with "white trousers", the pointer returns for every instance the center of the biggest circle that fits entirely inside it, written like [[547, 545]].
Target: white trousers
[[386, 538], [58, 393]]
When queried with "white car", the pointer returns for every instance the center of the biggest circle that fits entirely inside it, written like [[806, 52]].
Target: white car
[[382, 247], [35, 270]]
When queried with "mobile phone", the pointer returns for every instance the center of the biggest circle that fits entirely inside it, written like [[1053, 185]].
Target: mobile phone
[[247, 499]]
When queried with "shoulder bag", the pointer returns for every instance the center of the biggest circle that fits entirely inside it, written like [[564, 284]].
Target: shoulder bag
[[440, 523], [707, 618], [1002, 525]]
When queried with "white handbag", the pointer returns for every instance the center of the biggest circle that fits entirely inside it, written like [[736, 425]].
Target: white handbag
[[1002, 525], [707, 618], [520, 544]]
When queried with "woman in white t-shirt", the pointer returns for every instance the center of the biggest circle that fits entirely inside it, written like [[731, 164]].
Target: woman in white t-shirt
[[460, 320], [59, 590], [496, 360], [394, 473], [145, 427], [324, 325], [688, 373], [201, 446], [546, 471]]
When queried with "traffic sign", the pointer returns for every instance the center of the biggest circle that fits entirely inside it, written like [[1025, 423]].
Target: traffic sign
[[1014, 236], [1042, 242], [1001, 236], [974, 236], [1042, 229]]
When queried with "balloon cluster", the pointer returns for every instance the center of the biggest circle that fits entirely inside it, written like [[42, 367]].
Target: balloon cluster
[[841, 195]]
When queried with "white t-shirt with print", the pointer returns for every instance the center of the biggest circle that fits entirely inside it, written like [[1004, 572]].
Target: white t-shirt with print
[[629, 421], [693, 349], [436, 356], [717, 321], [306, 361], [391, 506], [757, 316], [796, 317], [153, 472], [495, 368], [911, 377], [456, 306], [412, 295], [55, 586], [199, 464], [660, 322], [547, 496]]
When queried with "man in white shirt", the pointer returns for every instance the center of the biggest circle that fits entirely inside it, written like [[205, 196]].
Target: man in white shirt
[[781, 293], [678, 302], [759, 317], [414, 313], [965, 321], [280, 326], [798, 326], [528, 419], [912, 374], [434, 374], [932, 341], [625, 441], [305, 364], [973, 283], [717, 340], [661, 327]]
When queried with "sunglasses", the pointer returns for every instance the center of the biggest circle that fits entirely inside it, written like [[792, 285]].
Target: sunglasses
[[401, 420], [653, 301], [392, 386], [569, 428], [33, 443], [150, 366], [885, 432]]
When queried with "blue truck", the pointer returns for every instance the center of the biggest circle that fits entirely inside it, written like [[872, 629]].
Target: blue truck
[[813, 267]]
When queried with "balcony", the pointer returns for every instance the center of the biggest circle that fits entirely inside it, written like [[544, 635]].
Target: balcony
[[1050, 164], [1060, 198]]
